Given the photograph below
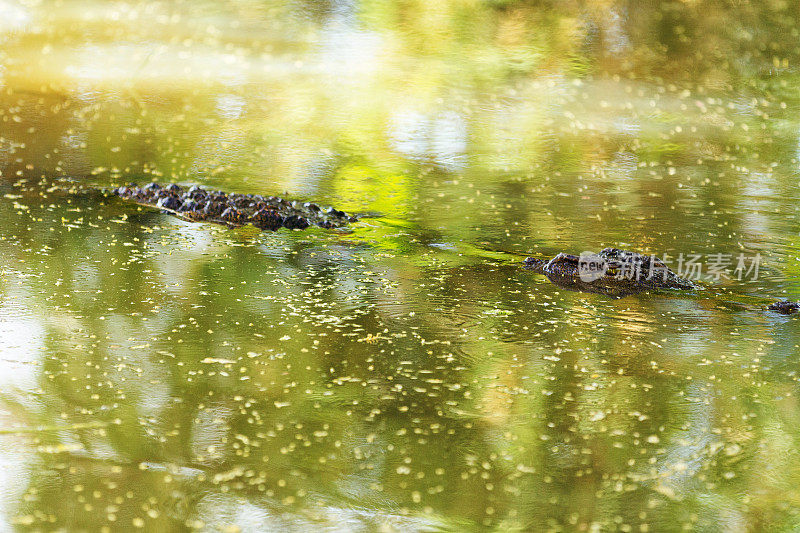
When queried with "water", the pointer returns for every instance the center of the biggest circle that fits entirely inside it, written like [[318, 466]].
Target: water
[[407, 375]]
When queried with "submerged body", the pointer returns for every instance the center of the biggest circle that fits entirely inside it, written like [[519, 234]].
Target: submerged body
[[233, 209]]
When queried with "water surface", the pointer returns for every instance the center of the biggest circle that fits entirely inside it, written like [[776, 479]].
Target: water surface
[[406, 375]]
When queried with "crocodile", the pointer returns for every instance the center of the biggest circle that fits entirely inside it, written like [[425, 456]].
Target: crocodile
[[197, 204], [612, 271], [617, 273]]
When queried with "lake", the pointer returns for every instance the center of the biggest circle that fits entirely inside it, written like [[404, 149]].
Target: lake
[[406, 373]]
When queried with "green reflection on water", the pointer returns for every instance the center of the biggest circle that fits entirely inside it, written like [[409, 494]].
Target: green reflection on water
[[407, 375]]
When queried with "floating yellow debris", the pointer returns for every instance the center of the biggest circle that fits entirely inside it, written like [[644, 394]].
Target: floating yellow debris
[[209, 360]]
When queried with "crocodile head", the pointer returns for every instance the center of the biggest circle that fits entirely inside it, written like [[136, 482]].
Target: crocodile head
[[535, 264], [612, 271]]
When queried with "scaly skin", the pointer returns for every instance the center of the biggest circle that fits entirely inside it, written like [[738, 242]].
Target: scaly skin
[[197, 204]]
